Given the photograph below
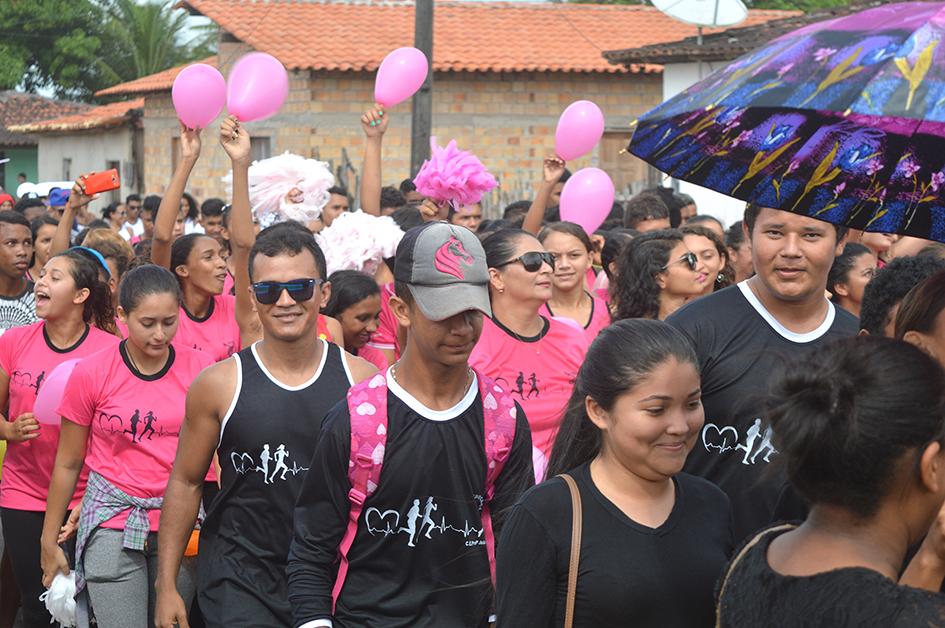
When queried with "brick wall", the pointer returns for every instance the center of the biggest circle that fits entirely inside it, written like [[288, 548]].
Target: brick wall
[[507, 120]]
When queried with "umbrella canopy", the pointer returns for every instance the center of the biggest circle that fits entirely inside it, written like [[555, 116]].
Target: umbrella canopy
[[843, 120]]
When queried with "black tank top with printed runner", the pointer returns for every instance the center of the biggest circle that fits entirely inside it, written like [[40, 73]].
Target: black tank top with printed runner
[[267, 440]]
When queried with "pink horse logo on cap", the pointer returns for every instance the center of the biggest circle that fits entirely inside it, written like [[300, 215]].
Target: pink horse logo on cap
[[448, 257]]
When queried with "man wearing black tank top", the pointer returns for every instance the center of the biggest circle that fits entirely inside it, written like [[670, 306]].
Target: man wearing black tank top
[[419, 557], [261, 412]]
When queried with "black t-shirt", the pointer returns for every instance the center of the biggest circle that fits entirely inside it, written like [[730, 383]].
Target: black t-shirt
[[853, 597], [419, 556], [629, 574], [19, 310], [740, 346]]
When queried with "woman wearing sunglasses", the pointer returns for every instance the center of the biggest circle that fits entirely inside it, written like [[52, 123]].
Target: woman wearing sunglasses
[[656, 275], [534, 357], [122, 419]]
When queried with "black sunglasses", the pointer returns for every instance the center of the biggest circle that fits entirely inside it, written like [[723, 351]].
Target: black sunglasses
[[268, 292], [532, 261], [689, 258]]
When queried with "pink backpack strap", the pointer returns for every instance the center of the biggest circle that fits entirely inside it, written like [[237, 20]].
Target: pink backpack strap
[[367, 406], [499, 422]]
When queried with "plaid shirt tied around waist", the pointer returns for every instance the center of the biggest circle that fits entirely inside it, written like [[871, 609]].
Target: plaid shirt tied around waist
[[103, 500]]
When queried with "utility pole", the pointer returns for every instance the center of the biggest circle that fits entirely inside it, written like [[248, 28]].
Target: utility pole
[[422, 119]]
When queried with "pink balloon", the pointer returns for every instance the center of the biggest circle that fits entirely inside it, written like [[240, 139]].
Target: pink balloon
[[257, 87], [51, 392], [587, 198], [199, 93], [580, 127], [401, 74]]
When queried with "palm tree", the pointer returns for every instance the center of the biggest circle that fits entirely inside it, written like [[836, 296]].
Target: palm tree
[[139, 39]]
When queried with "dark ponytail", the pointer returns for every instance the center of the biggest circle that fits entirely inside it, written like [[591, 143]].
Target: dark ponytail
[[621, 356], [844, 417], [86, 272]]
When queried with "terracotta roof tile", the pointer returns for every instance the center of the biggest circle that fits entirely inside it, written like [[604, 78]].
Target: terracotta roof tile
[[112, 114], [468, 36], [18, 108], [153, 82]]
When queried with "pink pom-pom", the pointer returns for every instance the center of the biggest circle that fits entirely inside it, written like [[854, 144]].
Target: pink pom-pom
[[453, 175]]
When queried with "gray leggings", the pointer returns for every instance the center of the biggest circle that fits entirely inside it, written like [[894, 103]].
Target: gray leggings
[[120, 582]]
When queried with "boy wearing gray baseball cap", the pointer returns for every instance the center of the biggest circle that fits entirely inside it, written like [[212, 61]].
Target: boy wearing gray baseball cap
[[416, 544]]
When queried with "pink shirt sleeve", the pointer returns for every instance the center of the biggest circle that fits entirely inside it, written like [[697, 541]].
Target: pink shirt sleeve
[[7, 343]]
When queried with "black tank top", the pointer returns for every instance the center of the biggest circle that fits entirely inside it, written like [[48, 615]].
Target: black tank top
[[267, 441]]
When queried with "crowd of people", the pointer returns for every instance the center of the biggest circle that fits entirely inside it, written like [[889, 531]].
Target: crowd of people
[[664, 423]]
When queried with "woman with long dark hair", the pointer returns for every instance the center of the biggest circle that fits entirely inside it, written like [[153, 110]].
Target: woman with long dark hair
[[860, 427], [570, 298], [654, 540], [712, 255], [535, 357], [656, 275], [355, 302], [139, 387], [848, 276], [73, 303], [208, 319]]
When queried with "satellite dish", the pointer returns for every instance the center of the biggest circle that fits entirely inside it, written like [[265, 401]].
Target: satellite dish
[[710, 13]]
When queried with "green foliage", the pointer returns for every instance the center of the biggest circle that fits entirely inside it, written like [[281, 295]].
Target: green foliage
[[143, 38], [76, 47], [48, 44]]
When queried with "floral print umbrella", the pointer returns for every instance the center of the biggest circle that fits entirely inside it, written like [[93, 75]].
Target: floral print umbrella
[[843, 120]]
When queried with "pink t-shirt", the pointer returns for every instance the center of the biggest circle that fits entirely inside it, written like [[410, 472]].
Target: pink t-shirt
[[386, 335], [538, 371], [600, 318], [374, 356], [217, 334], [134, 420], [27, 357]]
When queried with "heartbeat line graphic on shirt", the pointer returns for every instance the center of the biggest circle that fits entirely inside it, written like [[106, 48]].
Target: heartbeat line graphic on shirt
[[244, 463], [418, 524], [725, 438]]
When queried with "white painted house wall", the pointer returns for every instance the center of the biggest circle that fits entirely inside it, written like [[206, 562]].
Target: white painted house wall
[[87, 152]]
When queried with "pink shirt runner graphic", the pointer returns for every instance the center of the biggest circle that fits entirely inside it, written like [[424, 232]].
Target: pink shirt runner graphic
[[27, 358], [539, 374]]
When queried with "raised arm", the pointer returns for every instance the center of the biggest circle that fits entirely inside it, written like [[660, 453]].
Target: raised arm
[[374, 125], [236, 142], [62, 239], [552, 170], [199, 435], [170, 203]]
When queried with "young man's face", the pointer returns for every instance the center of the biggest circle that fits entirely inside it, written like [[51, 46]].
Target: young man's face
[[792, 254], [448, 342], [468, 216], [134, 210], [16, 248], [212, 225], [287, 319], [337, 205], [652, 224]]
